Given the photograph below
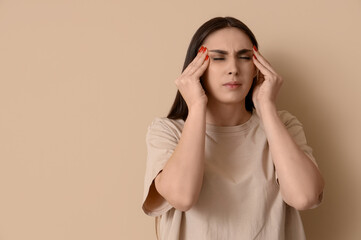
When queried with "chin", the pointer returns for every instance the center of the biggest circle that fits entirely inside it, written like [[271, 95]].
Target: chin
[[230, 101]]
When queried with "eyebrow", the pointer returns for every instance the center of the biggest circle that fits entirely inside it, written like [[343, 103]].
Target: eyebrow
[[225, 52]]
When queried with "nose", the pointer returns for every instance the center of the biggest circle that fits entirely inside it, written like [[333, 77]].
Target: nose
[[232, 66]]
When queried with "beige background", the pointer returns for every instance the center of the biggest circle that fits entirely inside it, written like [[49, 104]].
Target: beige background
[[81, 81]]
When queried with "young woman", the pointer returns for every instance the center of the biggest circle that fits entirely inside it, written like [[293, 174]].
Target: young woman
[[225, 163]]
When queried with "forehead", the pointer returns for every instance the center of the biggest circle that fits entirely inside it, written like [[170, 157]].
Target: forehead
[[228, 38]]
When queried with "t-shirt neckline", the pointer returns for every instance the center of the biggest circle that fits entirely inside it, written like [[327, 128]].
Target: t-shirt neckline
[[231, 129]]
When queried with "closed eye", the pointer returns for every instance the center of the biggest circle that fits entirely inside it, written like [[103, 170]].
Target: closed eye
[[248, 58]]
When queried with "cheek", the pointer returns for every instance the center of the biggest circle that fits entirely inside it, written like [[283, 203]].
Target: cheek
[[249, 68], [208, 78], [208, 73], [211, 71], [248, 74]]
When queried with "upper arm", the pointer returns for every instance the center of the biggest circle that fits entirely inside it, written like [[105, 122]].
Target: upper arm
[[161, 142]]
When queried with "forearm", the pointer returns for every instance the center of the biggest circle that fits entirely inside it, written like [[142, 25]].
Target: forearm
[[181, 179], [300, 180]]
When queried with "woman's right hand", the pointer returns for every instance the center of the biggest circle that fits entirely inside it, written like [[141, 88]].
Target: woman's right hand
[[189, 82]]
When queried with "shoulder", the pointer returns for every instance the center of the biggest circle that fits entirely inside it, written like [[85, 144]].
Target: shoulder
[[288, 119], [166, 125], [163, 122]]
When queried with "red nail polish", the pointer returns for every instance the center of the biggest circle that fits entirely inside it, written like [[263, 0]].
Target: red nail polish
[[255, 48], [201, 49], [204, 49], [254, 56], [206, 58]]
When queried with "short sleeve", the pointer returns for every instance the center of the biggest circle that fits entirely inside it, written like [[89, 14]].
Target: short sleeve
[[161, 140], [295, 128]]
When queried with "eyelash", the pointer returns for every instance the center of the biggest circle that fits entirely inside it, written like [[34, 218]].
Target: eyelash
[[248, 58]]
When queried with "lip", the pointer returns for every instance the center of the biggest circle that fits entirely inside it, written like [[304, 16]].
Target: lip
[[232, 85]]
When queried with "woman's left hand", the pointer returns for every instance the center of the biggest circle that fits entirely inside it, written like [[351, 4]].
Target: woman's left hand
[[268, 83]]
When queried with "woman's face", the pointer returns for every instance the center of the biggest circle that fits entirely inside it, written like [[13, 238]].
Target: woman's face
[[230, 73]]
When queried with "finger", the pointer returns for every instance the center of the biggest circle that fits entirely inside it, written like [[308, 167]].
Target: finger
[[200, 60], [263, 61], [197, 63], [261, 67], [191, 65], [200, 71]]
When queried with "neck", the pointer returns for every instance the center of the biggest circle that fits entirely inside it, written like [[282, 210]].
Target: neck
[[226, 114]]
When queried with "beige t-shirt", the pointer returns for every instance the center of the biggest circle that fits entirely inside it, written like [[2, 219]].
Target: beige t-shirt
[[240, 197]]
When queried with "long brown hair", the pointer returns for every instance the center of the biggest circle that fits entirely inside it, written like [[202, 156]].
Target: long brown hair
[[179, 108]]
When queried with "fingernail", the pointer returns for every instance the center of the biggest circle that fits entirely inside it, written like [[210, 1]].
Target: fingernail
[[254, 56], [204, 49], [255, 48], [201, 49], [206, 58]]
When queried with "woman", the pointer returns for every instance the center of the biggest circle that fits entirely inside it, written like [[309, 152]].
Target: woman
[[225, 164]]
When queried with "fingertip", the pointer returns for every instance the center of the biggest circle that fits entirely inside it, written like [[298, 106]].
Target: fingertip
[[255, 60], [201, 49]]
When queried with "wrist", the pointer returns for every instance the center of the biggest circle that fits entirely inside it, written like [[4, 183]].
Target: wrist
[[199, 106], [266, 108], [197, 115]]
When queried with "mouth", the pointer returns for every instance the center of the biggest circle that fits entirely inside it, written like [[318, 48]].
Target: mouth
[[232, 85]]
